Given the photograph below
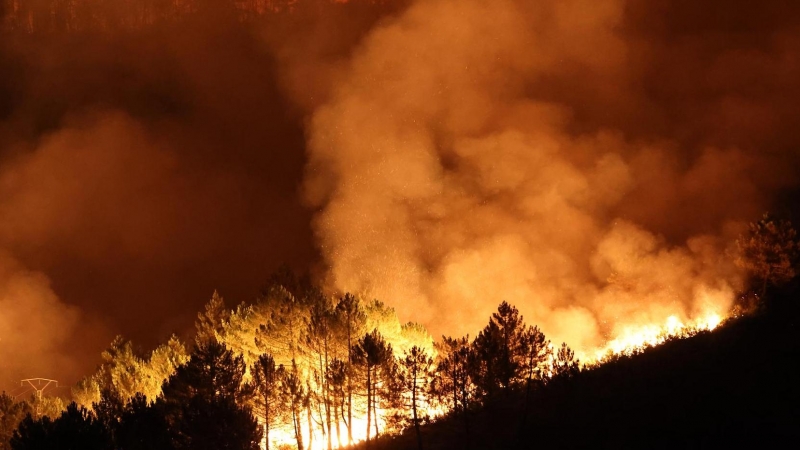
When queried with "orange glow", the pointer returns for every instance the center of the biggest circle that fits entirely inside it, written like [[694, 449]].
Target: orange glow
[[636, 338], [284, 434]]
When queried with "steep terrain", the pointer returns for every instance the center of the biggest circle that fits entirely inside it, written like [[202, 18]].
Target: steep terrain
[[733, 387]]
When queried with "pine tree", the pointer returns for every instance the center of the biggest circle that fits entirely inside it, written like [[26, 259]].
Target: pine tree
[[142, 426], [352, 319], [11, 414], [537, 352], [201, 402], [452, 386], [285, 330], [210, 323], [296, 396], [416, 369], [336, 377], [374, 355], [267, 380], [76, 427], [769, 252], [163, 362], [499, 352], [565, 365], [319, 340], [122, 370]]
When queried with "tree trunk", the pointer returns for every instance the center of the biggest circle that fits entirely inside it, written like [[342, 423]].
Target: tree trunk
[[338, 429], [310, 426], [465, 414], [327, 400], [454, 378], [298, 433], [369, 403], [349, 387], [375, 406], [266, 426], [414, 409], [524, 417]]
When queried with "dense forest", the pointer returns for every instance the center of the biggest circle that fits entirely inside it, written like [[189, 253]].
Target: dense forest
[[297, 368], [310, 368]]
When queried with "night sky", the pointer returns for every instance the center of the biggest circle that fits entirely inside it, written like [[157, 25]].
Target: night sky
[[140, 170]]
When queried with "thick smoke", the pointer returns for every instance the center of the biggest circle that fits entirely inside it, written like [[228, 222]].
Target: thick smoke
[[587, 161], [140, 170], [33, 323], [147, 160], [476, 152]]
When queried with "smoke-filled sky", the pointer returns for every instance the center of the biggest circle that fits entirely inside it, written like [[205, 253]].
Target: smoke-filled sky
[[589, 162]]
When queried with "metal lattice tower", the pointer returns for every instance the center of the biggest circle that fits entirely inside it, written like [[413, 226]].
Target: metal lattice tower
[[39, 385]]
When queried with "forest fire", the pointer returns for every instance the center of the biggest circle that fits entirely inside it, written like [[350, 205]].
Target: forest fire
[[634, 339], [437, 170], [316, 438]]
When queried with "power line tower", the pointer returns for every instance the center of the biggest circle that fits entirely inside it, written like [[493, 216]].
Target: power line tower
[[39, 385]]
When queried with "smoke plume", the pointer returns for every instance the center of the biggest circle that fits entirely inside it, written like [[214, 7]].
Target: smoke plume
[[140, 169], [34, 323], [589, 162]]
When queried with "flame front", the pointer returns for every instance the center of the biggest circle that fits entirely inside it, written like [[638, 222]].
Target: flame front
[[635, 338]]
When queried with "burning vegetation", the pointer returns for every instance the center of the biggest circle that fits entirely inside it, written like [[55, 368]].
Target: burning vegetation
[[450, 155]]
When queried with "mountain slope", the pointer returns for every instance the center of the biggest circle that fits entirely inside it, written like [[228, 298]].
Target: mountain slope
[[734, 387]]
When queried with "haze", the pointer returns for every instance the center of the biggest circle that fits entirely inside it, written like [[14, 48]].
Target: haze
[[589, 162]]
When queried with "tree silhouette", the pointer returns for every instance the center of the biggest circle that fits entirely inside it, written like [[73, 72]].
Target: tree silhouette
[[294, 393], [33, 434], [109, 410], [451, 385], [200, 402], [372, 353], [769, 252], [336, 376], [142, 426], [416, 368], [499, 351], [564, 363], [321, 345], [76, 428], [266, 382], [352, 318], [537, 351]]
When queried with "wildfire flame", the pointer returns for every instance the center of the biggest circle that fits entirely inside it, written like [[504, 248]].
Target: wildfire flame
[[636, 338], [316, 439]]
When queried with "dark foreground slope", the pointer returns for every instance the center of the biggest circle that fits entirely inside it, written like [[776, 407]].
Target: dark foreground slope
[[735, 387]]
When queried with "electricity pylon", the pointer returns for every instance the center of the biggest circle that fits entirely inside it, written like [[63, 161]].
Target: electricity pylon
[[39, 385]]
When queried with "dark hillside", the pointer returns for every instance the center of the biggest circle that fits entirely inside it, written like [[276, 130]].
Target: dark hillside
[[734, 387]]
